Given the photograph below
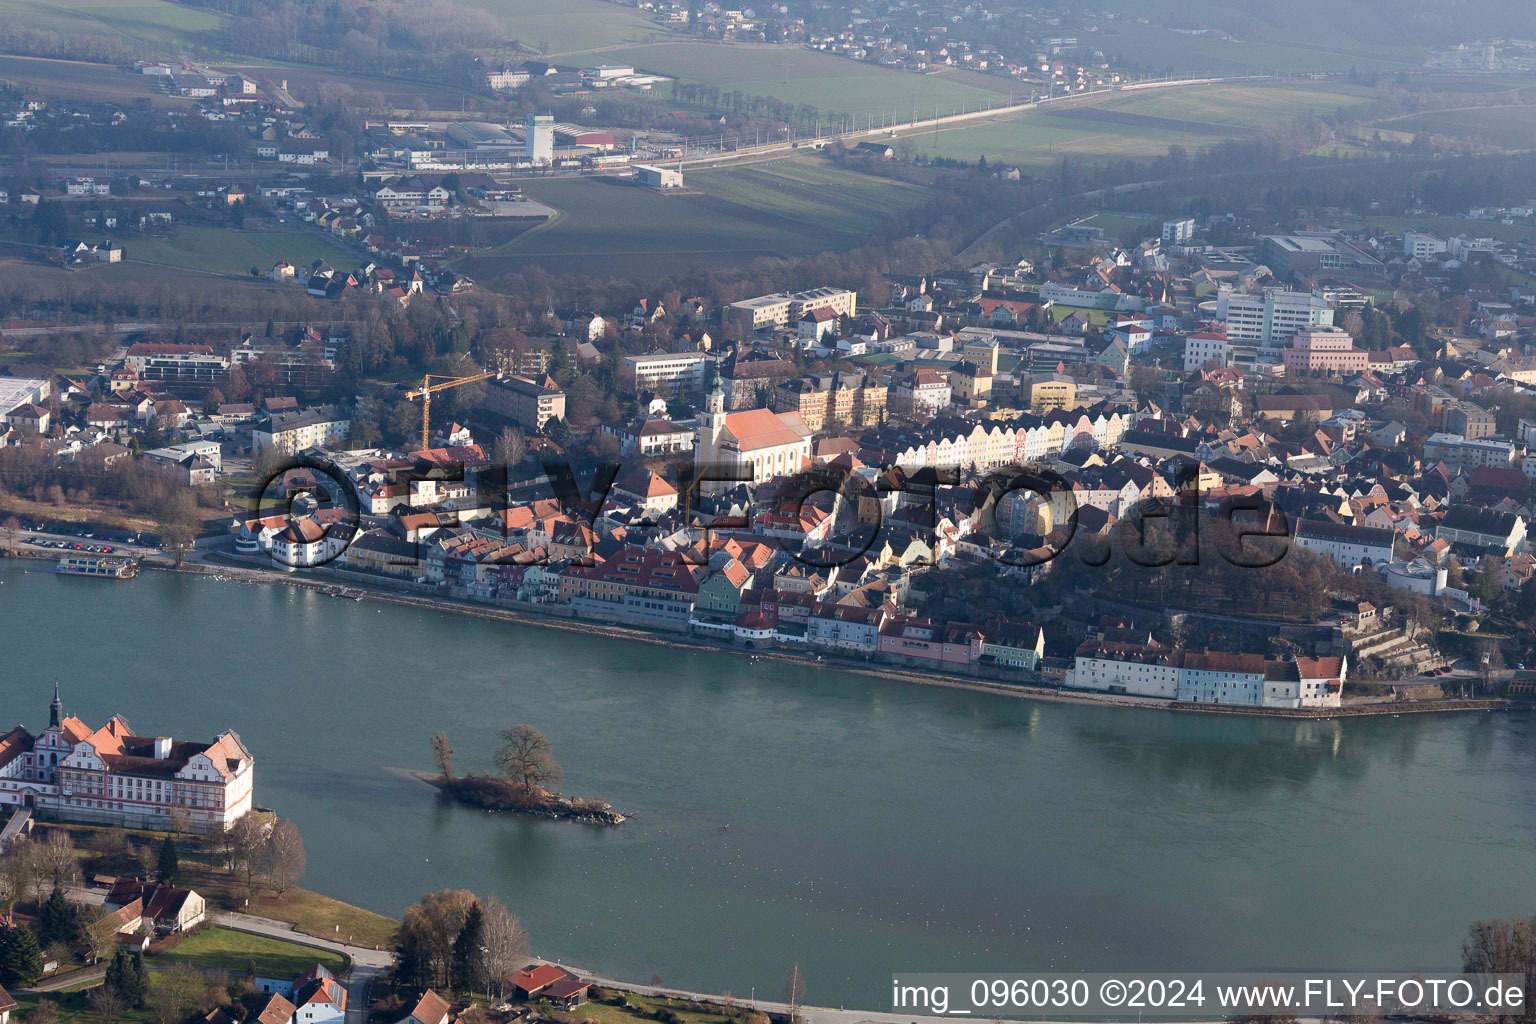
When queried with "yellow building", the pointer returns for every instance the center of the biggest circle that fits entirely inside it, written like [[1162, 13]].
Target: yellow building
[[1052, 391], [970, 385], [982, 352]]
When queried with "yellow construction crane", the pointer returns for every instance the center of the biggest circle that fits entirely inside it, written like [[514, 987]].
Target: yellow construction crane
[[425, 394]]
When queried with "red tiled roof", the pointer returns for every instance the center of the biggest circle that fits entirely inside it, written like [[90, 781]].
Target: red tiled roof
[[536, 978]]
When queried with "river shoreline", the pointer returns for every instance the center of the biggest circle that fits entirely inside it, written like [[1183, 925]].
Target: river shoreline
[[689, 643]]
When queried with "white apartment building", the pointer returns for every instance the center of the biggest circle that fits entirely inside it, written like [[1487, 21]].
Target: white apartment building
[[1177, 232], [664, 372], [1418, 245], [1466, 454], [157, 361], [295, 431], [1204, 350], [783, 308], [1268, 320], [1345, 545]]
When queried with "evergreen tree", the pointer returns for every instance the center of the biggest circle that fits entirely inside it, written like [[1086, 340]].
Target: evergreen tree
[[121, 979], [140, 978], [411, 971], [466, 950], [21, 958], [169, 861], [59, 921]]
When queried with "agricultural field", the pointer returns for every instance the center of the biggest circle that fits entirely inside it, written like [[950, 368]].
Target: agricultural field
[[1133, 126], [812, 192], [163, 25], [70, 79], [1445, 227], [572, 26], [1507, 127], [805, 76], [1037, 140], [1226, 107], [1148, 46], [401, 94], [790, 207], [224, 251]]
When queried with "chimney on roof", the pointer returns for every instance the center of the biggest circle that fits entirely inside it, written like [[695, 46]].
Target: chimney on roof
[[162, 747]]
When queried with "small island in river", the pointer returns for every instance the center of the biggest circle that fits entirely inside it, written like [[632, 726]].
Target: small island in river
[[526, 771]]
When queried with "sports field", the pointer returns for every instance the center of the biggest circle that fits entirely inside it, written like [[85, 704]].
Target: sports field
[[797, 75], [786, 208], [163, 25], [571, 26], [224, 251]]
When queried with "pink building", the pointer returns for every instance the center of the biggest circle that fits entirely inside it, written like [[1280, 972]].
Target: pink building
[[1323, 352]]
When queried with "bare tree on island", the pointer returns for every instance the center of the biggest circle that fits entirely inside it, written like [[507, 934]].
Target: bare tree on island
[[528, 759], [442, 753]]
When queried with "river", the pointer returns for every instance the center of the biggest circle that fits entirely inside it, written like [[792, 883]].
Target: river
[[874, 826]]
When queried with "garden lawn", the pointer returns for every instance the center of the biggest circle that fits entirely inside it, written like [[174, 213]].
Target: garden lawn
[[234, 951]]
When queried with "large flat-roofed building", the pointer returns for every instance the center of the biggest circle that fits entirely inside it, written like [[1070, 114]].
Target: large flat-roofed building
[[669, 372], [1269, 319], [783, 308], [482, 135], [16, 392], [184, 363], [1324, 352], [114, 777], [1464, 454], [1309, 252], [529, 404], [658, 177]]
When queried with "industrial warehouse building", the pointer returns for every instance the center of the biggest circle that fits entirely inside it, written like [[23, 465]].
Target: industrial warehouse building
[[658, 177]]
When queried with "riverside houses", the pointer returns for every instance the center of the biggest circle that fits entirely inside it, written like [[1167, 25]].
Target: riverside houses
[[644, 586], [1208, 677], [115, 777]]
